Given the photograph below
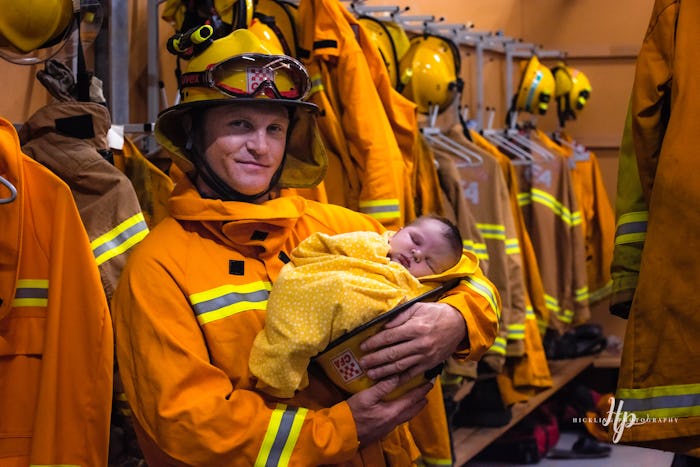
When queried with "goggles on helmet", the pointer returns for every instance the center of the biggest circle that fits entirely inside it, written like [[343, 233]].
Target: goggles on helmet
[[253, 75]]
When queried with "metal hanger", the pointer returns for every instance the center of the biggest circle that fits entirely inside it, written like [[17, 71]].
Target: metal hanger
[[579, 151], [497, 137], [435, 136], [11, 187], [535, 148]]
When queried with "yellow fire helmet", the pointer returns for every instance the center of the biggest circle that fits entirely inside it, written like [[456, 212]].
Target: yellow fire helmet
[[222, 15], [238, 68], [431, 67], [398, 37], [267, 35], [282, 18], [32, 31], [381, 37], [535, 89], [573, 89], [237, 13], [339, 360]]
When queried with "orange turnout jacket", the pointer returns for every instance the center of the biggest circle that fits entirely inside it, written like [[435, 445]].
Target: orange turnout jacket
[[191, 301], [56, 348]]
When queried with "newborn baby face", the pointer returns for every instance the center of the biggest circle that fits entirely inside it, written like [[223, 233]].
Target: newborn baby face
[[422, 248]]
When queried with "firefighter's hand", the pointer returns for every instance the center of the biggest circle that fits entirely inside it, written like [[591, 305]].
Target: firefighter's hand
[[417, 340], [374, 418]]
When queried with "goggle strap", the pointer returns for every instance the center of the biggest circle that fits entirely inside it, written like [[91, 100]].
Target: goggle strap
[[195, 79]]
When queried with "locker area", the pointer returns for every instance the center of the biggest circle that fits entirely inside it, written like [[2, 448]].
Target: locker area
[[148, 231]]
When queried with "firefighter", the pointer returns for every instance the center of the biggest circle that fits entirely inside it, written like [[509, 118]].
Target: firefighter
[[193, 295]]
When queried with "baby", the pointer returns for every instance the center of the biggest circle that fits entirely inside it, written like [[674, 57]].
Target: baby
[[333, 284]]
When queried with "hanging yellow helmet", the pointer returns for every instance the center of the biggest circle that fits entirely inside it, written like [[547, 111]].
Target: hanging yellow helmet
[[33, 31], [431, 68], [535, 89], [398, 37], [239, 68], [282, 18], [380, 36], [237, 13], [222, 15], [573, 89]]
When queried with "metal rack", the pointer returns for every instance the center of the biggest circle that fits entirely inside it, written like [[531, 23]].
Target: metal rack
[[112, 61], [462, 34]]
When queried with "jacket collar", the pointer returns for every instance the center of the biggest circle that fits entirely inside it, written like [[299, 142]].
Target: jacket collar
[[86, 121], [265, 227]]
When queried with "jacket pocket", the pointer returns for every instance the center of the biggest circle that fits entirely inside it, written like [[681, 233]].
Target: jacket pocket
[[22, 335]]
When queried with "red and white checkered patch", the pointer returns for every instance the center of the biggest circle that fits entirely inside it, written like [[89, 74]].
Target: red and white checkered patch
[[347, 366], [257, 75]]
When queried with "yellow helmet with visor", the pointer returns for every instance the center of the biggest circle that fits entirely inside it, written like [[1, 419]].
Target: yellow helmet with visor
[[430, 70], [535, 88], [33, 31], [573, 89], [239, 69]]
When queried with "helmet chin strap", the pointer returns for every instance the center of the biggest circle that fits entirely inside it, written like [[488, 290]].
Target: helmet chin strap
[[220, 187]]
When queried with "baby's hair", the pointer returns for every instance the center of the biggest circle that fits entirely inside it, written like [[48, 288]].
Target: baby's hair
[[451, 233]]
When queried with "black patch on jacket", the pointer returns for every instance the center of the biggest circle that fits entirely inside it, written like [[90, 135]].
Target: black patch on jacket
[[77, 126], [283, 257], [328, 43], [236, 268], [259, 235]]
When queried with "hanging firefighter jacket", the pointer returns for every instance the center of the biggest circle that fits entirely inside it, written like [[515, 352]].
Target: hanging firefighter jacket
[[533, 279], [597, 215], [658, 377], [632, 213], [553, 220], [56, 342], [459, 213], [523, 377], [66, 138], [401, 113], [496, 354], [485, 187], [365, 161], [226, 305], [524, 371]]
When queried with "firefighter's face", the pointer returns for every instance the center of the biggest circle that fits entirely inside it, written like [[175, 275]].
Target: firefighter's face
[[421, 247], [244, 144]]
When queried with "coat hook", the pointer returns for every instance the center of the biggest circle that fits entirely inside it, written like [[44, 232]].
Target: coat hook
[[11, 187]]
